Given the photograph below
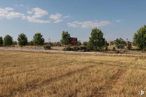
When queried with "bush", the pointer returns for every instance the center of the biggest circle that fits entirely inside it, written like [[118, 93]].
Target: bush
[[14, 42], [68, 48], [31, 43], [76, 48], [47, 47], [83, 48], [114, 49], [120, 43]]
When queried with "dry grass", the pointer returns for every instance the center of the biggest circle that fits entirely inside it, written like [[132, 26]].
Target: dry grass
[[24, 74]]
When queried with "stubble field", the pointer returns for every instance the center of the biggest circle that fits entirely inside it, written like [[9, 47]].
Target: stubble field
[[26, 74]]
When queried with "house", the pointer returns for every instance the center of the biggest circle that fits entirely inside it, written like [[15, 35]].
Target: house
[[73, 40]]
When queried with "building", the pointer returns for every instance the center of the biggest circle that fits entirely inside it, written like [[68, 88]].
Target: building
[[73, 40]]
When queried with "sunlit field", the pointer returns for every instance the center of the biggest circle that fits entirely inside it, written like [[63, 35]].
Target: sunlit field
[[26, 74]]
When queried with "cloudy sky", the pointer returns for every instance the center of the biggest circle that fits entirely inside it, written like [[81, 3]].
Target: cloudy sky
[[116, 18]]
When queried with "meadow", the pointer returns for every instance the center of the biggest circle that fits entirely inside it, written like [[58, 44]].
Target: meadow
[[30, 74]]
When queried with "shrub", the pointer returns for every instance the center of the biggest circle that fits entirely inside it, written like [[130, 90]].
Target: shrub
[[68, 48], [114, 49], [84, 48], [120, 43], [47, 47], [76, 48], [31, 43]]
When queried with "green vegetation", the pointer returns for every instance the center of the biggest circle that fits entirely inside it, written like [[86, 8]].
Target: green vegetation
[[22, 40], [96, 41], [120, 43], [140, 38], [1, 41], [65, 38], [38, 39], [8, 40]]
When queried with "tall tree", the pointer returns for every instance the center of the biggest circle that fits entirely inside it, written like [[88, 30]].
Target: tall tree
[[1, 41], [8, 40], [38, 39], [65, 38], [140, 38], [96, 41], [22, 40], [120, 43]]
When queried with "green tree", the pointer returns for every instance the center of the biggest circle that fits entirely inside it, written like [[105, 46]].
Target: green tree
[[85, 43], [96, 41], [120, 43], [8, 40], [22, 40], [38, 39], [1, 41], [65, 38], [140, 38]]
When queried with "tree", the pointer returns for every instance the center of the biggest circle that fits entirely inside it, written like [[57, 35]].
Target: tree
[[120, 43], [96, 41], [22, 40], [140, 38], [38, 39], [8, 40], [1, 41], [65, 38], [85, 43]]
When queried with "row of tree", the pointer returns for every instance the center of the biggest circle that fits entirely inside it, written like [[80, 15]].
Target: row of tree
[[22, 40], [96, 40]]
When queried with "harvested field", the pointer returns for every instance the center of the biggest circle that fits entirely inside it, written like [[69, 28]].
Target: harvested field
[[26, 74]]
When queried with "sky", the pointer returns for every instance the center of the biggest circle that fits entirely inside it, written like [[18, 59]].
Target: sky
[[116, 18]]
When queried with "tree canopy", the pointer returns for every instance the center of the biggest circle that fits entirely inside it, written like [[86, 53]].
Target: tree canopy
[[140, 38], [38, 39], [65, 38], [120, 43], [22, 40], [8, 40], [96, 41]]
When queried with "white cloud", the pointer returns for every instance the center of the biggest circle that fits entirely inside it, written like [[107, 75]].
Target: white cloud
[[36, 20], [37, 12], [56, 17], [34, 15], [10, 13], [88, 24]]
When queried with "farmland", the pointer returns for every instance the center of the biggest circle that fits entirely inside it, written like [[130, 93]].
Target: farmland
[[30, 74]]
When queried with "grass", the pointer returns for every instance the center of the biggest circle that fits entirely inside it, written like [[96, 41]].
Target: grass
[[26, 74]]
